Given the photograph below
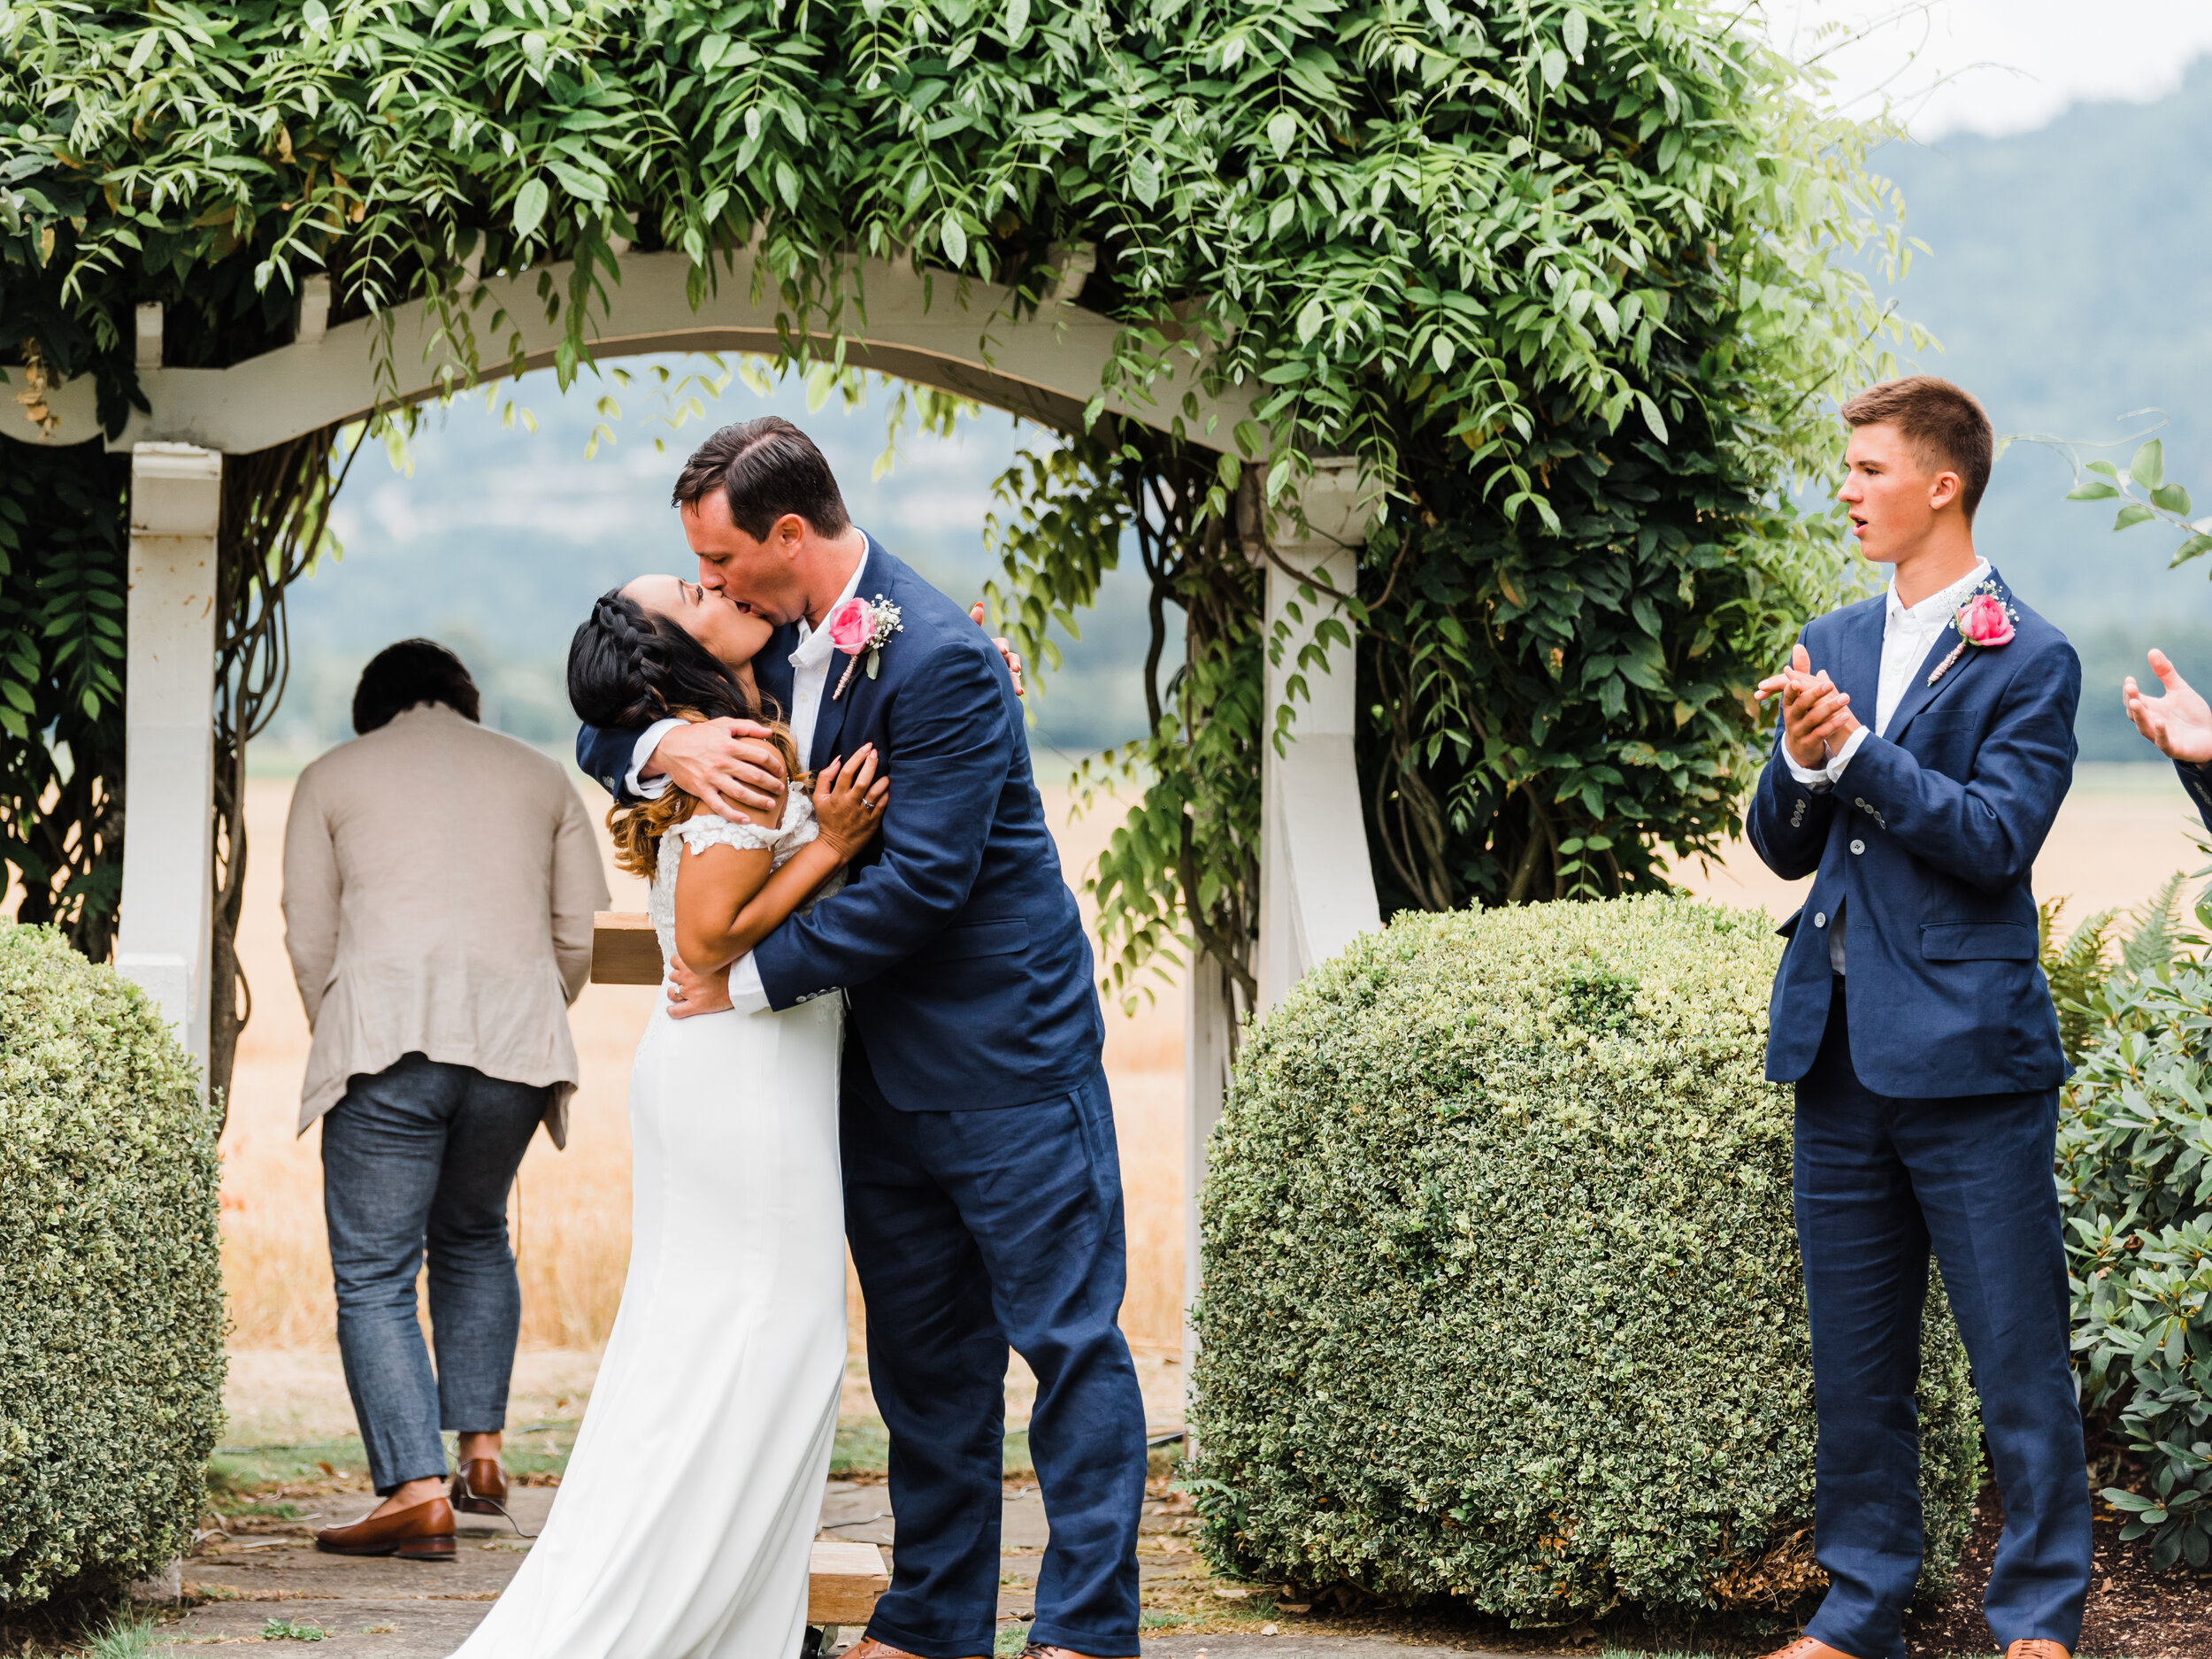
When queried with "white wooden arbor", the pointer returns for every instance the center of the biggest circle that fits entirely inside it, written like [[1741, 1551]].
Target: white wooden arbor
[[1317, 892]]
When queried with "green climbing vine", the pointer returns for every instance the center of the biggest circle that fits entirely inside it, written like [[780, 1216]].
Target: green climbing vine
[[1577, 281]]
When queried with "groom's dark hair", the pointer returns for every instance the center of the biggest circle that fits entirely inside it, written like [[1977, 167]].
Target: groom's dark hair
[[766, 468]]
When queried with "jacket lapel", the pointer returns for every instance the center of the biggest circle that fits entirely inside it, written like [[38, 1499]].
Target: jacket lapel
[[829, 723], [1919, 694], [1857, 668]]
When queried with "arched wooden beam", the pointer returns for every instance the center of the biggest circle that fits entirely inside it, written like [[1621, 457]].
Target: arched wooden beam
[[927, 326]]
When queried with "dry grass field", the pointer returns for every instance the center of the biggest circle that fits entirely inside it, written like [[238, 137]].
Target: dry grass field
[[2123, 830]]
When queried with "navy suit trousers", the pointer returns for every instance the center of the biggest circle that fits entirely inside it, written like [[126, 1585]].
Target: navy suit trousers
[[972, 1230], [1876, 1181]]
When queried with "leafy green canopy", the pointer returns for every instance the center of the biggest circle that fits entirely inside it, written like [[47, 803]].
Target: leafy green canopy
[[1501, 1291], [1559, 273], [111, 1399]]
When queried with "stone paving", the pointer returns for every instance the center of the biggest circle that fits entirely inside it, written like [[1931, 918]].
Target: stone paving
[[382, 1608]]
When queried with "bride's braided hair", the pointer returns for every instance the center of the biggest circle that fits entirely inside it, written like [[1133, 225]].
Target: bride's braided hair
[[628, 667]]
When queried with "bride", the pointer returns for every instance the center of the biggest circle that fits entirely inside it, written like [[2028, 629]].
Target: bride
[[684, 1519]]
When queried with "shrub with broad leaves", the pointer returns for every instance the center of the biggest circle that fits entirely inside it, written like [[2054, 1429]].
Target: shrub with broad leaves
[[2135, 1173]]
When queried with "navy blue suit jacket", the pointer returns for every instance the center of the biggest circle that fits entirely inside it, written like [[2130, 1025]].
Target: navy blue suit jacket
[[1926, 846], [956, 938]]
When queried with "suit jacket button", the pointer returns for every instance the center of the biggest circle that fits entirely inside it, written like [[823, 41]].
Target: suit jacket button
[[1858, 847], [1820, 918]]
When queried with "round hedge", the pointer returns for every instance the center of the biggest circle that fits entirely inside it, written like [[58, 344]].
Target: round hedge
[[1502, 1296], [110, 1282]]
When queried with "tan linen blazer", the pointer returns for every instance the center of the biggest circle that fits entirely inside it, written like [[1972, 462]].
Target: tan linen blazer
[[439, 886]]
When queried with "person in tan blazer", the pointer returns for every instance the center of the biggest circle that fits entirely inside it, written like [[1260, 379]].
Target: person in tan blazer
[[438, 941]]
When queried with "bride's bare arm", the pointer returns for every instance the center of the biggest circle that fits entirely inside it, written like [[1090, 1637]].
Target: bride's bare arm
[[726, 900]]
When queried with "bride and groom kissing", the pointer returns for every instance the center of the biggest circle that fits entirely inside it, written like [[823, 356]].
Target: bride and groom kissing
[[879, 1029]]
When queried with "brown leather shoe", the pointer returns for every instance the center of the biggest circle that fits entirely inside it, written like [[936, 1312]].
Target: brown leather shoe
[[1805, 1648], [2037, 1648], [871, 1648], [422, 1533], [480, 1487], [1038, 1650]]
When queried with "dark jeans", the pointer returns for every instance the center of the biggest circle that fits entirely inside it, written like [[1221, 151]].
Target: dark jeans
[[972, 1230], [422, 1154], [1876, 1181]]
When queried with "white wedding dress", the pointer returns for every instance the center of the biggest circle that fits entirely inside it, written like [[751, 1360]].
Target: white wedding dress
[[683, 1523]]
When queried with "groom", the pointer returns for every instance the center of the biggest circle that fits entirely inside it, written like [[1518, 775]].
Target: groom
[[1927, 740], [982, 1188]]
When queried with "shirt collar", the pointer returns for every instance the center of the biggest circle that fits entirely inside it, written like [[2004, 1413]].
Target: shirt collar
[[1936, 607], [814, 649]]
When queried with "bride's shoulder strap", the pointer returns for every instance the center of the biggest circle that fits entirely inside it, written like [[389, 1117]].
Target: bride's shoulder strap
[[703, 829]]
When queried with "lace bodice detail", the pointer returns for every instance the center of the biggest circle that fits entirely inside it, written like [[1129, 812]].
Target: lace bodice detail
[[704, 829]]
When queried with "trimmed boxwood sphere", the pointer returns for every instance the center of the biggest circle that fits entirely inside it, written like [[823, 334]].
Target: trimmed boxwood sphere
[[111, 1280], [1501, 1297]]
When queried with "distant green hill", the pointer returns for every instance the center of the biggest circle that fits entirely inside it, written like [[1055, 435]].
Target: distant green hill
[[502, 536], [2070, 283]]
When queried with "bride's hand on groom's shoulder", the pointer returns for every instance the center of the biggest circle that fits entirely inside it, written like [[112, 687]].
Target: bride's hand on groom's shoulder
[[850, 800], [1013, 657], [729, 765]]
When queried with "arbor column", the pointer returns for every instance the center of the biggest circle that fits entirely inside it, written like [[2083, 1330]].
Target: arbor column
[[163, 929], [1316, 887]]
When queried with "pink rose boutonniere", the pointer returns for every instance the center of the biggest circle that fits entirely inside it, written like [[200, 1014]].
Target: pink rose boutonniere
[[1983, 622], [856, 627]]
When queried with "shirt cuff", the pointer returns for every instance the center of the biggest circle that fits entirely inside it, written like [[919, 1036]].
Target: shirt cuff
[[641, 757], [1812, 778], [748, 995], [1842, 756]]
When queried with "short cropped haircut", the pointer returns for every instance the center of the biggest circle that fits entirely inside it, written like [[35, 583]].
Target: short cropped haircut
[[766, 468], [414, 671], [1946, 426]]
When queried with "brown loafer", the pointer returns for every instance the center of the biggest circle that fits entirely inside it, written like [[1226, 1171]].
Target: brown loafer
[[871, 1648], [480, 1487], [1805, 1648], [2037, 1648], [1038, 1650], [422, 1533]]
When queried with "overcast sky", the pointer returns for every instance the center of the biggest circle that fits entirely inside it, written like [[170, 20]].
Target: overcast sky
[[1994, 66]]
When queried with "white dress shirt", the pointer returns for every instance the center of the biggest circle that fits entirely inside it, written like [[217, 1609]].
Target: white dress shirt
[[1908, 632], [810, 676]]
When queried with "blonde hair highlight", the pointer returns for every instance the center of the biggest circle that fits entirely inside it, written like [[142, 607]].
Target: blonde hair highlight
[[637, 828]]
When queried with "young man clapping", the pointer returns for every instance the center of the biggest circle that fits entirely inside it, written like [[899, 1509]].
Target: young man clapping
[[1926, 740]]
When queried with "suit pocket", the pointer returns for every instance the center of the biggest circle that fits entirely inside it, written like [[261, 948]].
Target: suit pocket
[[964, 941], [1948, 720], [1977, 941]]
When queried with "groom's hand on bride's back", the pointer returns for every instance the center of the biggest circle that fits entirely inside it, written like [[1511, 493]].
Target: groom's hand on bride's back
[[690, 992], [730, 765]]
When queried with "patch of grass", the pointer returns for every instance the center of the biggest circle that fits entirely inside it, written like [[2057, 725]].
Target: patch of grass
[[864, 1447], [247, 1472], [1012, 1640], [239, 1473], [284, 1630], [266, 1512], [125, 1636]]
